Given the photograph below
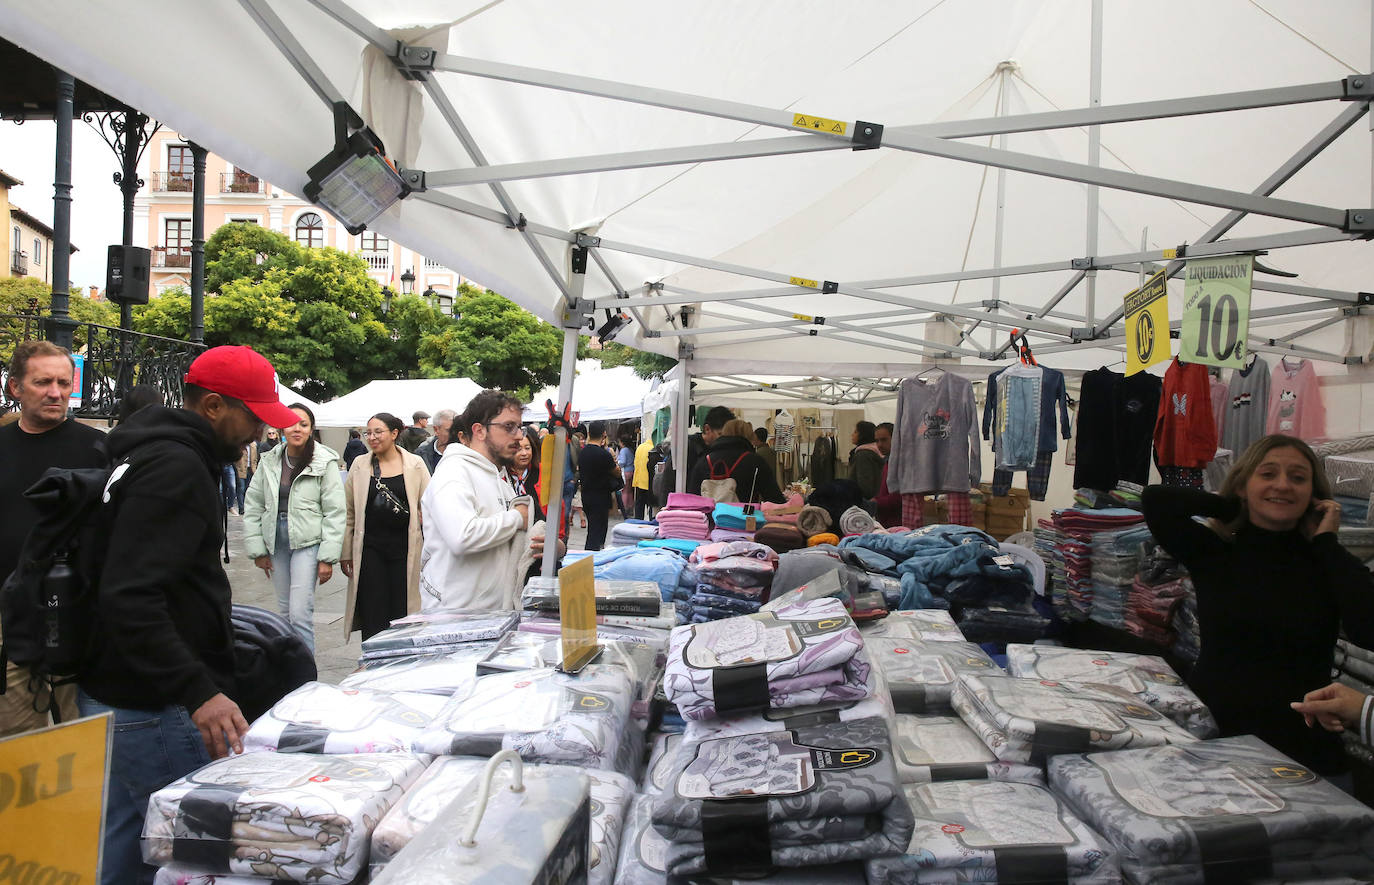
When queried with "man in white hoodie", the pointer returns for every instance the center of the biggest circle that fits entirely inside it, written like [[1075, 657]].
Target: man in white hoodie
[[476, 527]]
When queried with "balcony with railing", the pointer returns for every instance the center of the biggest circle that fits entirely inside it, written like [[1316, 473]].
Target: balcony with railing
[[377, 261], [19, 263], [174, 256], [239, 182], [434, 264], [172, 181]]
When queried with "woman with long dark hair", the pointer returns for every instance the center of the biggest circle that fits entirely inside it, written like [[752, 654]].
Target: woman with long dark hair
[[1274, 588], [383, 539], [865, 459], [293, 519]]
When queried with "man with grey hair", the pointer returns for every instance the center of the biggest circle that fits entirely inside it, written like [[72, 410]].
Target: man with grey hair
[[432, 449]]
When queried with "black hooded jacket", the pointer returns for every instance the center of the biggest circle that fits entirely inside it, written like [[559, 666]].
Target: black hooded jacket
[[734, 457], [163, 633]]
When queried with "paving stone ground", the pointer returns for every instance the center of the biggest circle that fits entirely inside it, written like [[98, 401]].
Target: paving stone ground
[[334, 657]]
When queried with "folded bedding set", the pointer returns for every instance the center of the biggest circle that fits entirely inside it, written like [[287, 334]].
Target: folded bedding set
[[922, 675], [323, 718], [929, 747], [437, 633]]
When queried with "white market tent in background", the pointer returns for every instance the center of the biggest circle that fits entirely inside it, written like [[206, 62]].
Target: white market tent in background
[[598, 394], [290, 397], [400, 398]]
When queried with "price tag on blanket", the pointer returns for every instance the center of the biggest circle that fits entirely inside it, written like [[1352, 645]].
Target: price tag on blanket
[[52, 789], [1147, 324], [1216, 310], [577, 603]]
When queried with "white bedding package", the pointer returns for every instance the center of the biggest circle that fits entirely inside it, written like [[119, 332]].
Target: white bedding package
[[929, 624], [442, 674], [921, 675], [302, 817], [437, 632], [323, 718], [933, 747]]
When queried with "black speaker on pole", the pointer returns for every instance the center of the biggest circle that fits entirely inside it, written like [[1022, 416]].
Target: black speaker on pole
[[126, 274]]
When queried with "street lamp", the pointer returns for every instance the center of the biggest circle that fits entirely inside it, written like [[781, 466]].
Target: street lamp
[[408, 282], [387, 295]]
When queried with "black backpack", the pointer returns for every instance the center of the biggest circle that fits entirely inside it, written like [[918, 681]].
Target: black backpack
[[47, 604]]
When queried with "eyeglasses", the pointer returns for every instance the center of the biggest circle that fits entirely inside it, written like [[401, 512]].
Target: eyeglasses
[[510, 427], [376, 434]]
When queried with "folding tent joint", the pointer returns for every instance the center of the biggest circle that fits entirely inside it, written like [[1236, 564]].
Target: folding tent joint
[[1364, 297], [1083, 264], [1359, 87], [867, 136], [685, 351], [991, 304], [1359, 221], [414, 62], [653, 287], [579, 259], [1083, 333], [414, 179], [579, 314], [829, 287], [519, 224], [587, 241]]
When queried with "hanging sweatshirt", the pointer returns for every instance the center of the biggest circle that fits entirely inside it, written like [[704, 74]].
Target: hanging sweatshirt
[[1185, 432], [1248, 401], [1295, 401], [935, 444], [1052, 393]]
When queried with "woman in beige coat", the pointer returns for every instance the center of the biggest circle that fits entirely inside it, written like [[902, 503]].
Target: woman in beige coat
[[382, 538]]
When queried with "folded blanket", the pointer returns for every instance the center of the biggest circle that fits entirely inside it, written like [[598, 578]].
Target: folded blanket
[[1001, 625], [734, 516], [987, 831], [710, 553], [432, 674], [437, 632], [1027, 720], [735, 604], [1226, 810], [857, 521], [813, 520], [922, 675], [815, 795], [928, 624], [323, 718], [825, 585], [822, 538], [766, 660], [297, 816], [785, 512], [931, 747], [688, 501], [877, 704], [678, 545], [1148, 677], [661, 760], [431, 793], [543, 715], [724, 536], [780, 537], [632, 533]]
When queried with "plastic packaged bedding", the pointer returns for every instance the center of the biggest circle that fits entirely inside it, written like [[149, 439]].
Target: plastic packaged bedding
[[922, 675], [612, 597], [323, 718], [441, 674], [928, 624], [930, 747], [437, 632]]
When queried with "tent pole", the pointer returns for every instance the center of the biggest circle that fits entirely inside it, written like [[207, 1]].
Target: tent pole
[[1094, 157], [1004, 71], [572, 325], [684, 405]]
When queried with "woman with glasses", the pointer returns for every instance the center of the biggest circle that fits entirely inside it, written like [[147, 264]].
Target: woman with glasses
[[294, 517], [383, 539]]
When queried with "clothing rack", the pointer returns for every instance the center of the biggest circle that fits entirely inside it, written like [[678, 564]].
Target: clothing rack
[[808, 434]]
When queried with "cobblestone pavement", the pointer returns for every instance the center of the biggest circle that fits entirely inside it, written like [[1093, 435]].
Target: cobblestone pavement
[[334, 656]]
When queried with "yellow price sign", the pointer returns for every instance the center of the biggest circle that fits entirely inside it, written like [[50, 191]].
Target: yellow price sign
[[1147, 324], [577, 612], [546, 450], [52, 798]]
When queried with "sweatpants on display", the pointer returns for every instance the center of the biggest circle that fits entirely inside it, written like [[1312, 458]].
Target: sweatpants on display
[[1037, 478], [959, 505]]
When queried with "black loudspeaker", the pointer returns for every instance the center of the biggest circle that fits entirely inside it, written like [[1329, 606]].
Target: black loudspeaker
[[126, 274]]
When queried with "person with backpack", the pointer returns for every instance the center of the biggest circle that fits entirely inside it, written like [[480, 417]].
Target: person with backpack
[[731, 457], [40, 379], [162, 661]]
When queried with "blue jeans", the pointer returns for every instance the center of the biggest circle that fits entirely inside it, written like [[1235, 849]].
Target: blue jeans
[[229, 485], [294, 573], [149, 750]]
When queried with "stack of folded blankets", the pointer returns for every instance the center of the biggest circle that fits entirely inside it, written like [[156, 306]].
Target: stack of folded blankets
[[1159, 588], [921, 675], [632, 531], [732, 523], [732, 579], [687, 517], [936, 747], [1049, 541], [1115, 559], [323, 718], [1148, 677], [436, 633], [441, 674], [1187, 631], [1079, 528], [926, 624], [1227, 810]]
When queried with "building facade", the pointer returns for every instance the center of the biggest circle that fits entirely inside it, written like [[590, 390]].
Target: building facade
[[162, 222], [27, 240]]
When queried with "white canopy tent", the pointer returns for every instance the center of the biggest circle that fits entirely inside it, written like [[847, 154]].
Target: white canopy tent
[[829, 188], [599, 394], [400, 398]]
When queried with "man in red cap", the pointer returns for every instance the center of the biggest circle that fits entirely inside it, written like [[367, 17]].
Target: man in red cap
[[163, 662]]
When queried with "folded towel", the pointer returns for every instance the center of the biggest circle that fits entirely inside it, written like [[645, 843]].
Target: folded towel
[[678, 545], [786, 512], [688, 501], [781, 537], [727, 535], [857, 521], [813, 520], [823, 538], [734, 516]]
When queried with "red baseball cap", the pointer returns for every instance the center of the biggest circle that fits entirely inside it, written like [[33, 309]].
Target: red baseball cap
[[244, 374]]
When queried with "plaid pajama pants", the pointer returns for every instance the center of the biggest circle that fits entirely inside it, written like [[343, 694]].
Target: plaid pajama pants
[[959, 505], [1037, 478]]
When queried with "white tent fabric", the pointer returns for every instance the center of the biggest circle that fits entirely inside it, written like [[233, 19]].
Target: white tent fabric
[[598, 394], [400, 398], [290, 397], [878, 218]]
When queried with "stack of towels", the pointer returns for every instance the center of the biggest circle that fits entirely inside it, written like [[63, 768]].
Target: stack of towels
[[632, 531], [687, 517], [732, 579]]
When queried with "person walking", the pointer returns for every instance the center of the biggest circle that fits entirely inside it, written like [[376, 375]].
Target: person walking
[[625, 459], [643, 498], [599, 475], [382, 534], [294, 523], [244, 468], [354, 448]]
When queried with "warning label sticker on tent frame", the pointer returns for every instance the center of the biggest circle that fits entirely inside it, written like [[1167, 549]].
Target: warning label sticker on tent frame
[[820, 124]]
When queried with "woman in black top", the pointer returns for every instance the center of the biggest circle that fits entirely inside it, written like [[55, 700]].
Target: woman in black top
[[1274, 587]]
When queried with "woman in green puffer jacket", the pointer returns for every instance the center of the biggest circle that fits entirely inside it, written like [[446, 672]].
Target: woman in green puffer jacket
[[293, 520]]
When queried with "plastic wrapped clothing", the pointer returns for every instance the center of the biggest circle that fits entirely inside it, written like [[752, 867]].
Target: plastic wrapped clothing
[[1028, 720], [993, 832], [930, 747], [1226, 810], [786, 810], [639, 563], [543, 715], [175, 874], [432, 674], [922, 675], [541, 834], [297, 816], [1002, 625], [930, 625], [797, 568], [660, 765], [323, 718], [431, 793], [642, 598], [437, 632], [1148, 677], [811, 654]]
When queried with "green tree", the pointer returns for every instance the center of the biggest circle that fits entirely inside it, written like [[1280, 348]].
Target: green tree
[[242, 250], [645, 364], [18, 295], [496, 343]]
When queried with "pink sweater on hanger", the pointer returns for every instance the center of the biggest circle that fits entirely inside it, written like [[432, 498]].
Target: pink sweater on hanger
[[1295, 401]]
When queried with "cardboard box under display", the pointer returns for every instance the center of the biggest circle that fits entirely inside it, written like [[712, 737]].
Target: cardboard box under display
[[1005, 514]]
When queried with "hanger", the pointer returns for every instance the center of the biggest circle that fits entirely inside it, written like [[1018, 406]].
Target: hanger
[[921, 375], [1023, 348]]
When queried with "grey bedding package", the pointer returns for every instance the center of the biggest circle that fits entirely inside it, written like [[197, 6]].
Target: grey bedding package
[[1028, 720], [921, 675], [929, 624], [544, 715], [752, 803], [1148, 677], [441, 674], [297, 816], [931, 747], [1226, 810], [660, 765], [995, 833], [437, 633]]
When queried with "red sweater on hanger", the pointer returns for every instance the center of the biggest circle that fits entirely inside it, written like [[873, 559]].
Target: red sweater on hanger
[[1185, 432]]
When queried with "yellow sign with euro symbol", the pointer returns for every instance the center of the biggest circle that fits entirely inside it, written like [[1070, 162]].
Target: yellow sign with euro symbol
[[1147, 324], [52, 797], [577, 611]]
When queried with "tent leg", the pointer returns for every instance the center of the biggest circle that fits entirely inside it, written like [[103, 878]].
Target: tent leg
[[572, 324], [1094, 157], [684, 401]]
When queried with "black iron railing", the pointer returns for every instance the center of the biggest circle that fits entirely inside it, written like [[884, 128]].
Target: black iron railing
[[171, 256], [19, 262], [172, 181], [241, 183]]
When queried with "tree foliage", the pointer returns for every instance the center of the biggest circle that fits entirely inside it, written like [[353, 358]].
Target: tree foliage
[[19, 295], [496, 343], [645, 364]]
